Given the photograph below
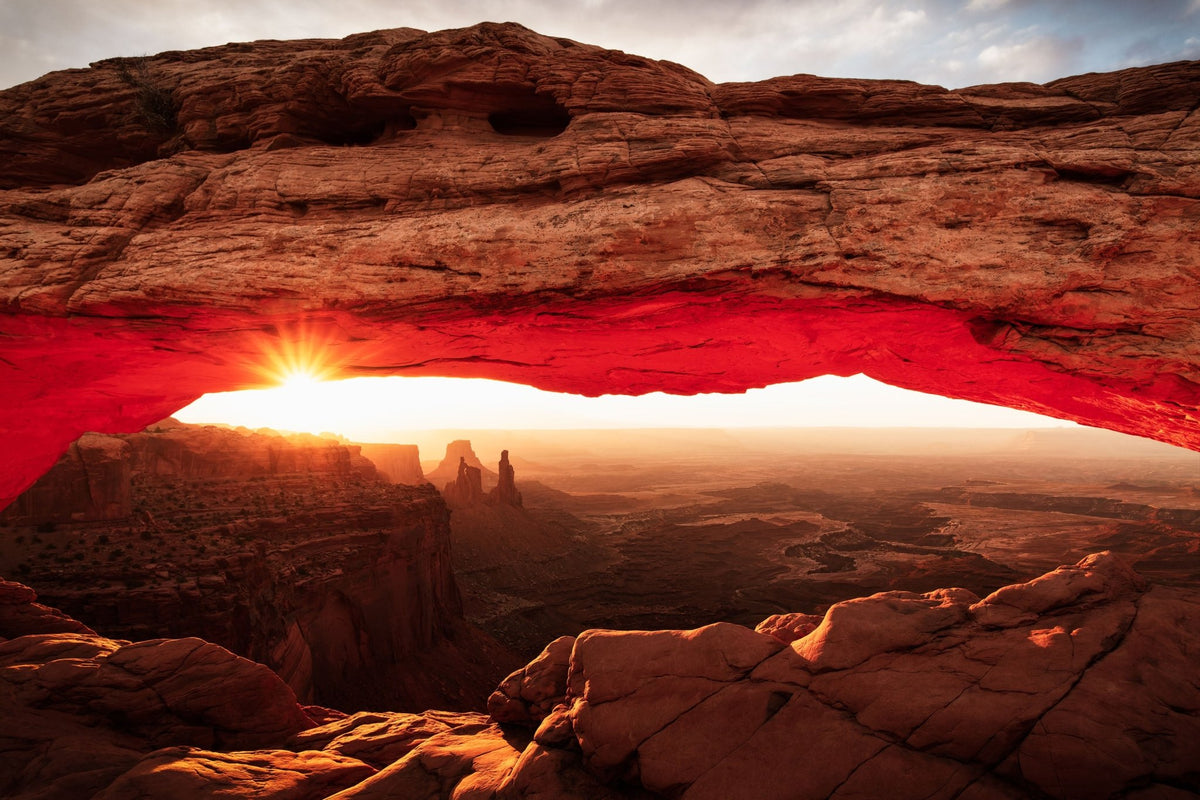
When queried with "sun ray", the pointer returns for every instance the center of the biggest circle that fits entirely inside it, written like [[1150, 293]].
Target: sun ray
[[299, 355]]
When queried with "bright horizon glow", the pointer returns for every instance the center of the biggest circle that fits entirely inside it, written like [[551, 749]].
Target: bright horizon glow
[[372, 409]]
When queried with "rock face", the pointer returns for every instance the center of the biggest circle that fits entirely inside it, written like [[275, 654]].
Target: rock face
[[401, 463], [21, 615], [582, 220], [1079, 684], [90, 482], [290, 551], [1000, 697], [93, 480]]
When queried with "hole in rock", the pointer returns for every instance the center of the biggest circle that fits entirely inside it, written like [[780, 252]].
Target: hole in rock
[[367, 129], [1102, 177], [537, 115]]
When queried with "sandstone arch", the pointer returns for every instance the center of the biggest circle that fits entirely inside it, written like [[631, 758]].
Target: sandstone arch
[[1035, 246]]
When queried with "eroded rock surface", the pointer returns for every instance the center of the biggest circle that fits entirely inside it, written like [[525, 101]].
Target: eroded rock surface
[[1082, 683], [80, 709], [999, 697], [291, 551], [495, 203]]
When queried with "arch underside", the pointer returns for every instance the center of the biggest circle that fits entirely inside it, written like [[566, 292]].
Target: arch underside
[[1034, 247]]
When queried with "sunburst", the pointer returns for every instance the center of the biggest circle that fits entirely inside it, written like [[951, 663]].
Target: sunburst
[[299, 356]]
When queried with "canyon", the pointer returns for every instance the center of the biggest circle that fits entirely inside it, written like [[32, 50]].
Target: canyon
[[491, 202], [809, 601], [962, 696], [649, 529], [291, 551]]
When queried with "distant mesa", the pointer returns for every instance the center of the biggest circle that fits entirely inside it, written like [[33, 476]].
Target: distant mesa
[[399, 463], [447, 470]]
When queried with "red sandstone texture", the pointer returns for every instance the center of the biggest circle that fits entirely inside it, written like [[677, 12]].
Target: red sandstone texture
[[291, 551], [495, 203], [1082, 683], [93, 480]]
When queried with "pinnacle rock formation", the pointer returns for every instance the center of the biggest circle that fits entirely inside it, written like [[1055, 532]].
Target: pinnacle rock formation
[[579, 219], [467, 487], [505, 492]]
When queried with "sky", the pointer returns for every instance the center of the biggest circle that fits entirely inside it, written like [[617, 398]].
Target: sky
[[366, 409], [952, 43]]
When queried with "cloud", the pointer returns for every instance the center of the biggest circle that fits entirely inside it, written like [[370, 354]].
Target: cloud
[[1030, 59], [986, 5], [951, 42]]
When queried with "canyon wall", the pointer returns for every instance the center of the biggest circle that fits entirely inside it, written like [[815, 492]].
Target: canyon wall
[[579, 219], [401, 463], [291, 551], [91, 481]]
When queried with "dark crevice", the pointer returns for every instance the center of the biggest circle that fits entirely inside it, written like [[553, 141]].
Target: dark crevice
[[1117, 178], [367, 129], [230, 144], [544, 123], [1034, 725], [776, 701]]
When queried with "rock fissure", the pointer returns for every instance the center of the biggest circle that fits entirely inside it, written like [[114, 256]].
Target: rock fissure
[[1095, 660]]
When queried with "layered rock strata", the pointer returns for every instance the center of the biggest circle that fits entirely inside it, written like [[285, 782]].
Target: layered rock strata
[[94, 480], [1079, 684], [290, 551], [401, 463], [579, 219]]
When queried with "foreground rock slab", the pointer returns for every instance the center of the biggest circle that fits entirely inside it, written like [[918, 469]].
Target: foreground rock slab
[[495, 203], [1082, 683]]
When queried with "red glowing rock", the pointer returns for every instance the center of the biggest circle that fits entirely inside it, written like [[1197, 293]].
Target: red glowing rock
[[490, 202]]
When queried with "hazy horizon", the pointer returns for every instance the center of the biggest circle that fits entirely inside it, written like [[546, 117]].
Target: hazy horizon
[[537, 445], [366, 409]]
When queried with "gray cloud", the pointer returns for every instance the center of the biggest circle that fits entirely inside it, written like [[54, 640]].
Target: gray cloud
[[949, 42]]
